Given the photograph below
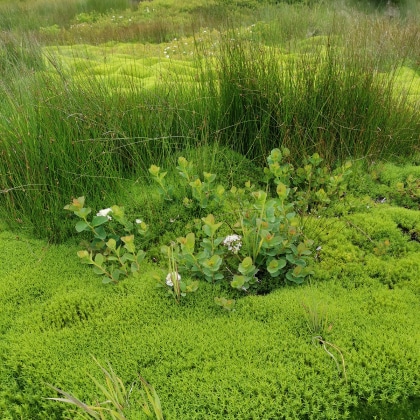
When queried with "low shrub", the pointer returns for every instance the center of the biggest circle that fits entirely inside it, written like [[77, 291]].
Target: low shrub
[[260, 247]]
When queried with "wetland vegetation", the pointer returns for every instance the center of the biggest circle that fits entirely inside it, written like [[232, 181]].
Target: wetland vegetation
[[257, 164]]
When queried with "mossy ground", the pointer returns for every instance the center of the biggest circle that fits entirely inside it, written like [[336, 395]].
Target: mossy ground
[[259, 361]]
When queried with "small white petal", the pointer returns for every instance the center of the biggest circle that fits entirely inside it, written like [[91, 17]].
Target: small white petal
[[105, 213], [170, 277]]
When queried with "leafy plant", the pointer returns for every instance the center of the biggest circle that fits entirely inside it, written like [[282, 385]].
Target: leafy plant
[[257, 246], [265, 239], [159, 177], [113, 254], [313, 185], [227, 304], [410, 188]]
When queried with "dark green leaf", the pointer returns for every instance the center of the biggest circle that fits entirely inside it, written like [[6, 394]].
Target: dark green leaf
[[100, 232]]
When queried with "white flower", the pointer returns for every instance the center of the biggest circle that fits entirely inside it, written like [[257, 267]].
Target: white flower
[[233, 243], [170, 278], [139, 221], [105, 212]]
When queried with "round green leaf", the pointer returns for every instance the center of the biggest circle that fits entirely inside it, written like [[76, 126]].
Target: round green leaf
[[99, 220], [81, 225], [99, 259], [238, 281], [111, 244]]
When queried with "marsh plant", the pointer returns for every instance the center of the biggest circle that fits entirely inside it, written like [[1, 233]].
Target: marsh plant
[[112, 252], [116, 396], [319, 327], [107, 127], [253, 239]]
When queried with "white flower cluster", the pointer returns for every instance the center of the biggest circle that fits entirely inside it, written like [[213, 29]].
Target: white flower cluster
[[105, 213], [233, 243], [170, 278]]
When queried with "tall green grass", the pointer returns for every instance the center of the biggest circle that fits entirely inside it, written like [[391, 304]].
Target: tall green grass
[[64, 137], [328, 99], [33, 14], [84, 129], [19, 53]]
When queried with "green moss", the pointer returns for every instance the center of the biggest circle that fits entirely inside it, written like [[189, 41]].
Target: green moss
[[67, 311], [204, 363], [314, 44], [104, 70], [406, 409], [390, 174], [113, 60], [360, 249], [136, 70]]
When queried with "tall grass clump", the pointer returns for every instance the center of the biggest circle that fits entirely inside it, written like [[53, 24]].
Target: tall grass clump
[[65, 135], [19, 53], [33, 14], [70, 134], [322, 98]]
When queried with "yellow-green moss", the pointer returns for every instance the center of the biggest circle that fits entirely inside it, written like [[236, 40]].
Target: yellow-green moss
[[258, 361]]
